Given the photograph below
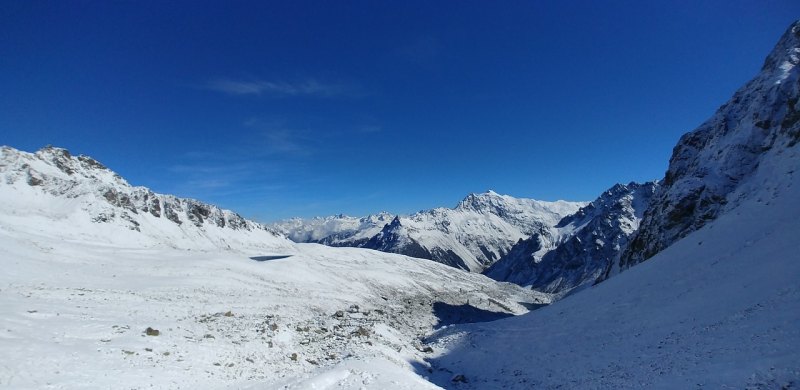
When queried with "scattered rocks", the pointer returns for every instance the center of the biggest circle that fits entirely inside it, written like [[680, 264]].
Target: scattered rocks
[[339, 314], [353, 309], [425, 348], [362, 332], [293, 356]]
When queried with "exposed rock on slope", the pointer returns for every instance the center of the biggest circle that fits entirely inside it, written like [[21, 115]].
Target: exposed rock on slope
[[100, 203], [582, 247], [714, 167]]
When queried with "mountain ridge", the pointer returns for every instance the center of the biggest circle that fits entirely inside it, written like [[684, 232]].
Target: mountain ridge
[[471, 235], [91, 196]]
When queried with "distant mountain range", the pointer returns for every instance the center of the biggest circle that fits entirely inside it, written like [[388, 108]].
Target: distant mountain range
[[480, 230], [556, 247]]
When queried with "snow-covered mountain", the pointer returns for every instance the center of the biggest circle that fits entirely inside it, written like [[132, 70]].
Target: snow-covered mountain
[[94, 203], [581, 247], [471, 236], [732, 157], [716, 305], [335, 230], [107, 285]]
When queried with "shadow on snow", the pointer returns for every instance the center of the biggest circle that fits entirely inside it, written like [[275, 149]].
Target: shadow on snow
[[463, 314], [268, 258]]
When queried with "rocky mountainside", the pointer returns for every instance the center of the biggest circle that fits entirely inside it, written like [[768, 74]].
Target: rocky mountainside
[[336, 230], [581, 247], [471, 236], [734, 156], [91, 201]]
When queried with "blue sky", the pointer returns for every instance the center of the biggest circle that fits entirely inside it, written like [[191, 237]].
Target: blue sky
[[279, 109]]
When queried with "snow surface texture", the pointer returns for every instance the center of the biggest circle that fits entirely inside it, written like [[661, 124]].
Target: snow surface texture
[[710, 165], [471, 236], [227, 306], [582, 247]]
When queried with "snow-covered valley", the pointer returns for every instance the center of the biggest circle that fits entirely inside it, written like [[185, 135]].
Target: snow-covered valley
[[689, 282], [76, 315], [192, 301]]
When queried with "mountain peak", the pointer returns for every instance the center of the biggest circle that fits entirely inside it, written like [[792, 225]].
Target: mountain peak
[[786, 54], [480, 201]]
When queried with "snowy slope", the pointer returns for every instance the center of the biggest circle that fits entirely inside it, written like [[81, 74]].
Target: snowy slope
[[718, 308], [710, 164], [235, 306], [335, 230], [582, 247], [92, 203]]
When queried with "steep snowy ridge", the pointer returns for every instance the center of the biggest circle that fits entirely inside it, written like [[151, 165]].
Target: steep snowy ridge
[[478, 231], [89, 201], [581, 247], [714, 168]]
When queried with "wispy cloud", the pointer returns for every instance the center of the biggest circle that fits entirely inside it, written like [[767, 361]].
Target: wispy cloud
[[274, 137], [369, 129], [309, 87]]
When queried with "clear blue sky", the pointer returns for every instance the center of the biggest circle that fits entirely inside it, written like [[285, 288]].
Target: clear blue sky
[[295, 108]]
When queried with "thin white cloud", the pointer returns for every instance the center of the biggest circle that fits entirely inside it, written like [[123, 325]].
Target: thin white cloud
[[308, 87]]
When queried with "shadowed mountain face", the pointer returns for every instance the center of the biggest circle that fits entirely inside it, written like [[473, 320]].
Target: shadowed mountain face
[[712, 167], [582, 247]]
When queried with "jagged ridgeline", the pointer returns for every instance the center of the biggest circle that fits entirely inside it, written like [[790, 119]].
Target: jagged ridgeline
[[735, 155], [480, 230], [86, 193]]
